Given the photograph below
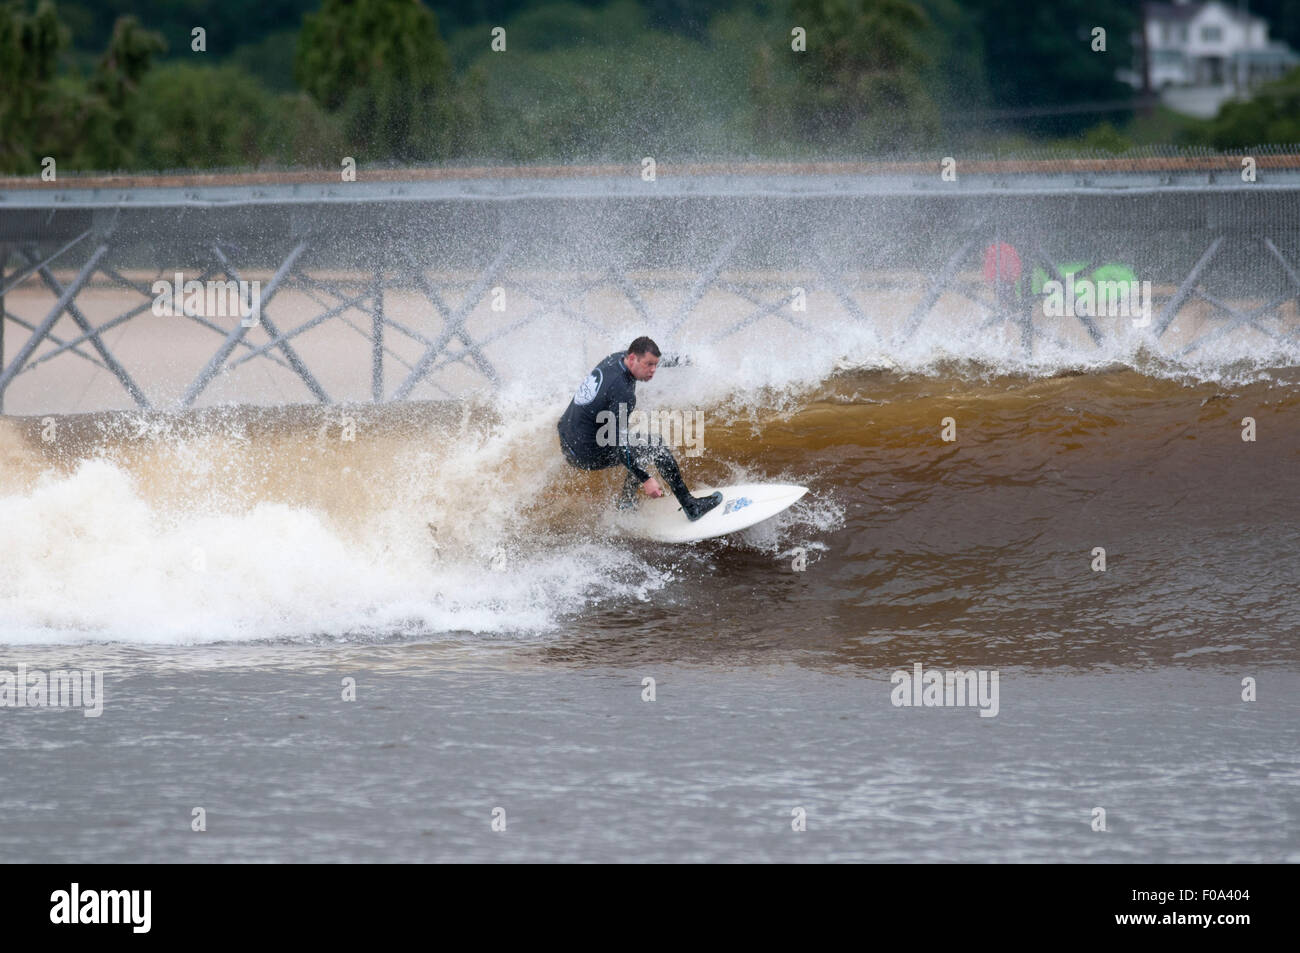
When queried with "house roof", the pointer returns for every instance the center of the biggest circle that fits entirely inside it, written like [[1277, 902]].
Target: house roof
[[1183, 12]]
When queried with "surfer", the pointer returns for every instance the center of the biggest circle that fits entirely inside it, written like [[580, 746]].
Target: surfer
[[584, 441]]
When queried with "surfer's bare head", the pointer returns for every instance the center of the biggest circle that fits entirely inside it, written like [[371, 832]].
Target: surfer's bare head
[[642, 358]]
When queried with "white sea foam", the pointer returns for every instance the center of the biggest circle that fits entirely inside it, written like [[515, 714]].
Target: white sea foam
[[90, 555]]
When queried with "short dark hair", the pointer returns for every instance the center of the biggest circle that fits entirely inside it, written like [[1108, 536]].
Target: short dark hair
[[641, 345]]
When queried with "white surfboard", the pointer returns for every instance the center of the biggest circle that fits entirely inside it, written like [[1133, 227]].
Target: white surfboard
[[742, 506]]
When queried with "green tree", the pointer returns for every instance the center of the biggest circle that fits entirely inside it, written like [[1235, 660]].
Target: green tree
[[1271, 116], [43, 113], [32, 107], [685, 17], [382, 66], [197, 117], [1040, 60], [269, 60], [109, 124], [956, 69], [583, 85], [302, 133], [229, 23], [860, 80]]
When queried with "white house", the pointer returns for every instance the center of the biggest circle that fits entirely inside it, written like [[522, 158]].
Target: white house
[[1201, 54]]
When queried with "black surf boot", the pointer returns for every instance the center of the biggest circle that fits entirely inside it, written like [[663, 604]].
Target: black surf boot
[[693, 506], [696, 506]]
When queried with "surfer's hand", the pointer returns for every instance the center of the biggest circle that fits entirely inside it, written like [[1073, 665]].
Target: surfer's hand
[[651, 488]]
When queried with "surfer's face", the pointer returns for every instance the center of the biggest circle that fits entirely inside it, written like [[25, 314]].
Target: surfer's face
[[642, 366]]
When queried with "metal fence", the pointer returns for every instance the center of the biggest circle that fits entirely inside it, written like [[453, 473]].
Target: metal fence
[[1210, 235]]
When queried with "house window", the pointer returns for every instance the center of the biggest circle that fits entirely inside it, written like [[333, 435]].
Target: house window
[[1211, 34]]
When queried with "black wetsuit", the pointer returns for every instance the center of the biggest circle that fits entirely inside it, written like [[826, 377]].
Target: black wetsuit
[[585, 431]]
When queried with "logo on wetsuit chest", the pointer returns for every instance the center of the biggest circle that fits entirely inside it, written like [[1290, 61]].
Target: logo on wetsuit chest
[[737, 504], [589, 388]]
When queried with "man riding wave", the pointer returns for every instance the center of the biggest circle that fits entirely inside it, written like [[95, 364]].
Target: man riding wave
[[613, 383]]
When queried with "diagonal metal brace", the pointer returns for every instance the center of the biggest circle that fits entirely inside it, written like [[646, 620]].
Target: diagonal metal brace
[[277, 338], [938, 287], [471, 346], [31, 269], [43, 329], [92, 334], [1089, 325], [454, 322], [237, 333], [1184, 291], [775, 307], [701, 286]]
